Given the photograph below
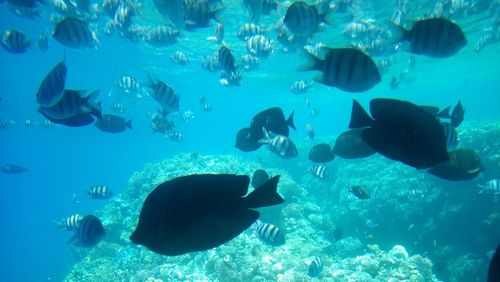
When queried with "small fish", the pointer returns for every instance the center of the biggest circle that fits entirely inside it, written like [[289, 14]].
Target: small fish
[[319, 171], [14, 42], [249, 62], [321, 153], [457, 115], [89, 233], [113, 124], [162, 35], [206, 107], [118, 108], [259, 177], [226, 60], [13, 169], [260, 46], [315, 267], [72, 222], [360, 192], [350, 198], [164, 95], [416, 194], [188, 115], [269, 233], [6, 123], [218, 36], [211, 63], [174, 135], [300, 87], [100, 192], [179, 58], [279, 144], [333, 234], [29, 123], [310, 131], [129, 85], [248, 30], [51, 90], [160, 124], [371, 224], [303, 19], [384, 65], [75, 33], [491, 187]]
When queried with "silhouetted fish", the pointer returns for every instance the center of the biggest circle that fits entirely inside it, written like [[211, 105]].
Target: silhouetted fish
[[350, 145], [321, 153], [89, 232], [463, 164]]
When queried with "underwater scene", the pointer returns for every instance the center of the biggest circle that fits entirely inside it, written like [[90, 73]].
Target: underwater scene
[[250, 140]]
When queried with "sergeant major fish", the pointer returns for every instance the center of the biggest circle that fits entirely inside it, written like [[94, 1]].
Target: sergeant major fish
[[319, 171], [315, 267], [100, 192], [14, 42], [269, 233], [164, 95], [51, 89], [89, 232], [303, 19], [75, 33], [70, 223], [279, 144]]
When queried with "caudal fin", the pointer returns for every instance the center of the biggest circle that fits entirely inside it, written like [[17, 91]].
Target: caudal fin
[[289, 121], [359, 117], [265, 195], [312, 63]]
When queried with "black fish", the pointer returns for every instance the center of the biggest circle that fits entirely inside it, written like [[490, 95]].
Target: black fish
[[435, 37], [350, 145], [457, 115], [494, 268], [74, 121], [74, 33], [259, 178], [321, 153], [315, 267], [401, 131], [113, 124], [14, 42], [269, 233], [51, 89], [200, 212], [245, 141], [273, 120], [73, 103], [463, 164], [89, 232], [360, 192], [13, 169], [348, 69]]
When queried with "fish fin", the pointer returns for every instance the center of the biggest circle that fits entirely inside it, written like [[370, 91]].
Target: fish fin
[[289, 121], [445, 113], [266, 195], [313, 63], [399, 33], [266, 139], [359, 117], [150, 81], [128, 124], [320, 78], [95, 107]]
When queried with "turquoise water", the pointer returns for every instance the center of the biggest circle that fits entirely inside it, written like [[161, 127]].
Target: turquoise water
[[63, 161]]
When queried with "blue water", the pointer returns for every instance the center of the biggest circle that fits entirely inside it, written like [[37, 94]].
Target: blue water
[[63, 160]]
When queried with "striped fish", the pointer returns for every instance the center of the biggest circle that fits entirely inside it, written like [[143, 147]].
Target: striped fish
[[248, 30], [310, 131], [70, 223], [319, 171], [260, 46], [303, 19], [43, 41], [129, 85], [218, 35], [200, 12], [73, 103], [434, 37], [90, 232], [315, 267], [162, 35], [416, 194], [226, 60], [269, 233], [491, 187], [249, 62], [179, 58], [451, 135], [164, 95], [348, 69], [51, 89], [299, 87], [74, 33], [99, 192], [174, 135], [14, 42], [279, 144]]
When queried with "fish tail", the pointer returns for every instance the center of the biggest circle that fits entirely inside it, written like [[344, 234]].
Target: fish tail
[[313, 63], [399, 33], [289, 121], [359, 117], [95, 107], [266, 195]]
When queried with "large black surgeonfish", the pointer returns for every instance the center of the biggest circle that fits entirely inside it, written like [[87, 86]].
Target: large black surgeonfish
[[401, 131], [200, 212]]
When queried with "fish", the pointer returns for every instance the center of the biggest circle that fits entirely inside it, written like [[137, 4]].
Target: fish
[[13, 169], [245, 141], [74, 33], [371, 224], [318, 171], [100, 192], [6, 123], [494, 267], [310, 131], [300, 87], [200, 12], [118, 108], [70, 223], [43, 41], [416, 194], [188, 115], [321, 153], [259, 177], [350, 145], [162, 35], [206, 108], [160, 124], [279, 144], [401, 131], [226, 59], [249, 62], [451, 135], [15, 42], [173, 10], [260, 46], [360, 192], [129, 85], [81, 119], [218, 35], [200, 211], [492, 186], [303, 19], [179, 58], [457, 115], [73, 103], [269, 233], [89, 233], [113, 124], [334, 233], [315, 267], [462, 164], [272, 119], [211, 63], [434, 37], [164, 95], [174, 135], [51, 90], [348, 69], [248, 30]]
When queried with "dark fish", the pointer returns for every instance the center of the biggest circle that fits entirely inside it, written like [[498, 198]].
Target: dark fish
[[272, 119], [444, 113], [457, 115], [14, 42], [435, 37], [245, 141], [451, 135], [279, 144], [13, 169], [303, 19], [73, 103], [360, 192], [100, 192], [401, 131], [200, 212], [78, 120], [113, 124], [463, 164], [348, 69], [173, 10], [315, 267], [350, 145], [321, 153], [70, 223], [319, 171], [259, 178], [51, 90], [494, 268], [226, 60], [74, 33], [269, 233], [90, 232], [164, 95], [200, 12]]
